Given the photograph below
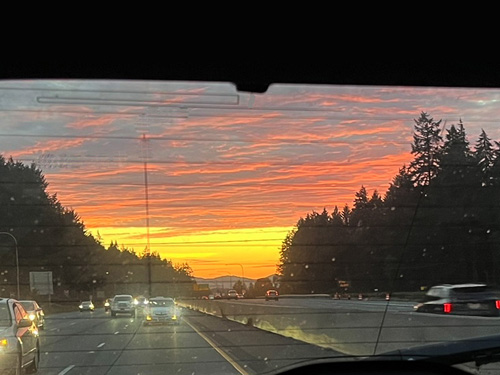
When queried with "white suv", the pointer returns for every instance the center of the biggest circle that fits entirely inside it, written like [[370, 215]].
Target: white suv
[[123, 304]]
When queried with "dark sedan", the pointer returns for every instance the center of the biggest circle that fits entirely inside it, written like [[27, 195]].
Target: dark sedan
[[462, 299]]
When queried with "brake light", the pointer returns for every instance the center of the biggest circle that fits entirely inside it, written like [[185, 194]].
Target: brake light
[[497, 304], [448, 307]]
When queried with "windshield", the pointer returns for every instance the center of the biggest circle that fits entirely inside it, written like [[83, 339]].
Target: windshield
[[348, 202], [160, 302], [28, 306]]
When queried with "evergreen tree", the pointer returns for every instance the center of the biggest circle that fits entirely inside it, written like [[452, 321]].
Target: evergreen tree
[[426, 148], [484, 156]]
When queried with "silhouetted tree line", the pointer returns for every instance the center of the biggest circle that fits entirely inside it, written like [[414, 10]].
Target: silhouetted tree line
[[438, 222], [53, 238]]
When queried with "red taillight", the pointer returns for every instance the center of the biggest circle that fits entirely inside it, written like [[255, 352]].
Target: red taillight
[[497, 304], [448, 307]]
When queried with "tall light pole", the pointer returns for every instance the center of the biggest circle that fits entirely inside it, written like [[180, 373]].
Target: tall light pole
[[17, 261]]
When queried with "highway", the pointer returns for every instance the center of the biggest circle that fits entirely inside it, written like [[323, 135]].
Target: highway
[[242, 337], [353, 327], [94, 343]]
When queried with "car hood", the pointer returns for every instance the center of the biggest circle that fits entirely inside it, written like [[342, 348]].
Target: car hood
[[482, 350], [162, 309]]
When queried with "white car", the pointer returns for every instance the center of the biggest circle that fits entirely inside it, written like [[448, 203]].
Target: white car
[[123, 304], [232, 294], [161, 310]]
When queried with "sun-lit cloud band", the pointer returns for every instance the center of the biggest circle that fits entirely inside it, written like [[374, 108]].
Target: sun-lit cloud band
[[224, 175]]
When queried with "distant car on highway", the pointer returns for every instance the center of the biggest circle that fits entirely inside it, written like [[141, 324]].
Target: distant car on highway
[[35, 312], [272, 294], [461, 299], [161, 310], [107, 304], [140, 302], [86, 306], [123, 304], [19, 340], [232, 294]]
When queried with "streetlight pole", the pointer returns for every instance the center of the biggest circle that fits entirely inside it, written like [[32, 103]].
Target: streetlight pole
[[17, 261]]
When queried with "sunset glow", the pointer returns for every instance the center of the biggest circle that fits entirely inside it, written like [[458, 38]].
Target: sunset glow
[[220, 176]]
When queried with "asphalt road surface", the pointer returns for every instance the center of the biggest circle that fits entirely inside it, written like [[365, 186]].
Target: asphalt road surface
[[94, 343]]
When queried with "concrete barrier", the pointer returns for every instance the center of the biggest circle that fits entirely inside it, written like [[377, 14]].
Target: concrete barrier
[[354, 332]]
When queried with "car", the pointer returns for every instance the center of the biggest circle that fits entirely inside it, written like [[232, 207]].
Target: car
[[19, 339], [161, 310], [35, 312], [86, 306], [473, 299], [232, 294], [140, 302], [123, 304], [107, 304], [272, 294]]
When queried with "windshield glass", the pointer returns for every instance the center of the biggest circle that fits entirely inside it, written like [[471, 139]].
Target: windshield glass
[[28, 306], [351, 202], [161, 302]]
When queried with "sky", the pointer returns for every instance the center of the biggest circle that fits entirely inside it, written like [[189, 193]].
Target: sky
[[216, 178]]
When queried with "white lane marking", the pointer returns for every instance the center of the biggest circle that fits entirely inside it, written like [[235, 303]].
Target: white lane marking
[[226, 356], [66, 370], [101, 345]]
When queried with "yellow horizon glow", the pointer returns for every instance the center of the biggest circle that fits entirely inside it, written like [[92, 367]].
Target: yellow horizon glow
[[251, 251]]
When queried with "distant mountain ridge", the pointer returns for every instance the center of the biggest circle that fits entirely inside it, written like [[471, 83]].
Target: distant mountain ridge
[[226, 282]]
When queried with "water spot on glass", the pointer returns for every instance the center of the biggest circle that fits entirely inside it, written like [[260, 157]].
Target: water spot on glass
[[265, 359], [488, 231], [291, 275], [306, 266], [470, 230], [333, 259], [12, 198], [393, 208], [229, 329], [401, 275]]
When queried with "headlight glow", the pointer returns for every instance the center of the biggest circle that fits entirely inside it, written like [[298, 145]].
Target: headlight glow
[[81, 306], [32, 317]]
